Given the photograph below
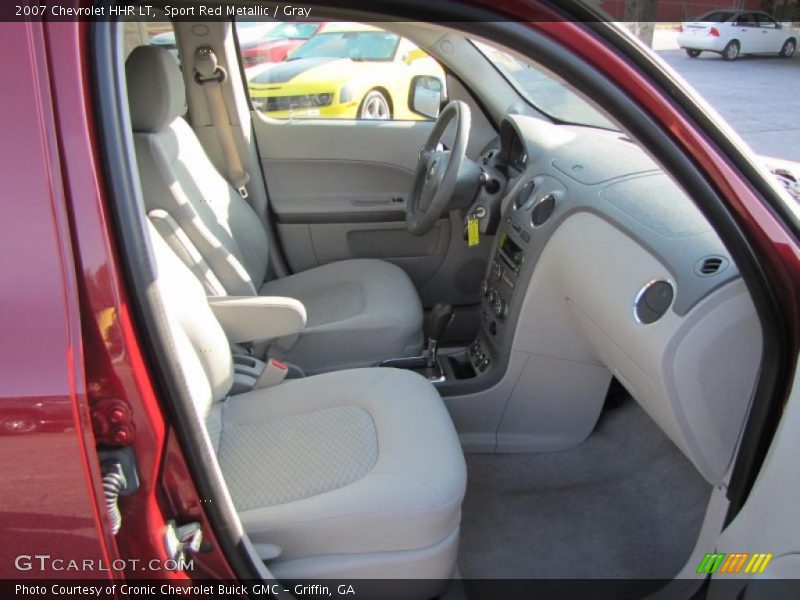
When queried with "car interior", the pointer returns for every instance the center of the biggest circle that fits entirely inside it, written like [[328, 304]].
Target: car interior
[[497, 341]]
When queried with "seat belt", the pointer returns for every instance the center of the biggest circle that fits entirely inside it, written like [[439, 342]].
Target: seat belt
[[210, 75]]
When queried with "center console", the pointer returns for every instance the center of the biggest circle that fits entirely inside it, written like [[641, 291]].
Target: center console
[[517, 245], [508, 273], [498, 291], [482, 363], [514, 208]]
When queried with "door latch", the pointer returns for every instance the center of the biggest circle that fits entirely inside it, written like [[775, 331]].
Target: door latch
[[182, 541]]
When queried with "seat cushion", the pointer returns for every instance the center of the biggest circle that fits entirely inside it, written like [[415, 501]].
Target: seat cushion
[[359, 312], [344, 463]]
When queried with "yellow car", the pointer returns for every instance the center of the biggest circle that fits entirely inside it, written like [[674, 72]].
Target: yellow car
[[348, 71]]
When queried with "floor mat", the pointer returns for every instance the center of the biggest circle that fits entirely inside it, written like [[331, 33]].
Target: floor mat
[[624, 504]]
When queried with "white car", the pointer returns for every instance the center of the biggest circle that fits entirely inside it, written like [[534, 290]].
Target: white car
[[735, 32]]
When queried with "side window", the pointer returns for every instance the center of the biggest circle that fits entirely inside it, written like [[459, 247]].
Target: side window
[[747, 20], [157, 33], [765, 21], [326, 70]]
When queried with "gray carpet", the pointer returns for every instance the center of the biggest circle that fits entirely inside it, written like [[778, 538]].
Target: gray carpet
[[624, 504]]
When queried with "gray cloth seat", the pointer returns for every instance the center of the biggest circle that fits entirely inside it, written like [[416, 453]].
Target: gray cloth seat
[[351, 474], [355, 463], [356, 309], [359, 311]]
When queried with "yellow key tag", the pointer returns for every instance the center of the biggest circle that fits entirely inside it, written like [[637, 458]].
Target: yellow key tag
[[473, 233]]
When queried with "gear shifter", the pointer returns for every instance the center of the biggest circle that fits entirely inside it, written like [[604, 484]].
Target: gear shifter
[[441, 317]]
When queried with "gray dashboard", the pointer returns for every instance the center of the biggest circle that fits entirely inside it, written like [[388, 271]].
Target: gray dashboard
[[605, 173], [589, 225]]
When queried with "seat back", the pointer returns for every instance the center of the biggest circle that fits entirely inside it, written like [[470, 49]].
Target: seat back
[[203, 351], [179, 179]]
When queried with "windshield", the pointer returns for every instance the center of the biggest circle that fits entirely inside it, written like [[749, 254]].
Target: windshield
[[356, 45], [543, 92], [294, 31]]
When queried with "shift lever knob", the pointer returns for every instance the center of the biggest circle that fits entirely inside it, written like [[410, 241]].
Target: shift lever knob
[[441, 316]]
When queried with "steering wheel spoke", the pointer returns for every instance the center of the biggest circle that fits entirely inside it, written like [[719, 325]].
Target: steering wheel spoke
[[437, 170]]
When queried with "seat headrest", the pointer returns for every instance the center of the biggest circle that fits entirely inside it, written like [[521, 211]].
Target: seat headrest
[[156, 94]]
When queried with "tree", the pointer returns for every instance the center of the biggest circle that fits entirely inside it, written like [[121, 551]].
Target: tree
[[640, 17]]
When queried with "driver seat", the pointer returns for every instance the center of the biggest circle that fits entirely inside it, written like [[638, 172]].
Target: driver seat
[[358, 311]]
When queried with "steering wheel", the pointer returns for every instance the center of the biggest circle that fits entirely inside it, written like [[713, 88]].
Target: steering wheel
[[437, 170]]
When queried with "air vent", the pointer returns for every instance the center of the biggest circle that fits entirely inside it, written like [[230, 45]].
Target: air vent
[[523, 194], [710, 265], [543, 210], [652, 301]]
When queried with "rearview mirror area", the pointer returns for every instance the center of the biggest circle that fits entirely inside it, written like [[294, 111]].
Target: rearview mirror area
[[426, 96]]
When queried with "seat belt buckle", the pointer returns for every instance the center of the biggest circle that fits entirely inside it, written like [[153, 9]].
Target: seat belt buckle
[[243, 191], [274, 373]]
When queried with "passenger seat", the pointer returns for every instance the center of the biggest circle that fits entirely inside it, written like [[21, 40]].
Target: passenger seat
[[346, 475], [359, 311]]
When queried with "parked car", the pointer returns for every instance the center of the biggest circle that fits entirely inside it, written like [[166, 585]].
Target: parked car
[[249, 34], [788, 173], [349, 70], [732, 33], [278, 42], [252, 32], [438, 358]]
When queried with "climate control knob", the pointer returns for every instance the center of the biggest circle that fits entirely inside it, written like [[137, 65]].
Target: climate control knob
[[497, 270], [500, 308]]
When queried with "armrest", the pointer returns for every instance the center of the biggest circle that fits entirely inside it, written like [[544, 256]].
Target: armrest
[[257, 318]]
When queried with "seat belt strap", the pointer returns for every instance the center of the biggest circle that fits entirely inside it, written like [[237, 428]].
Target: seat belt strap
[[210, 75]]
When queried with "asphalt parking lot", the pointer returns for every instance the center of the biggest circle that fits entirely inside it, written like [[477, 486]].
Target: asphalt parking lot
[[759, 96]]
